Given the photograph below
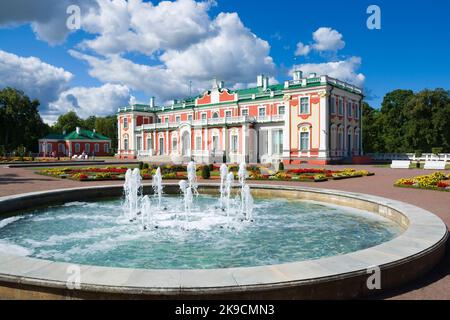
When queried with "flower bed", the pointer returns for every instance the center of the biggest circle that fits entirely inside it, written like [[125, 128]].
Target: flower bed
[[435, 181], [179, 173]]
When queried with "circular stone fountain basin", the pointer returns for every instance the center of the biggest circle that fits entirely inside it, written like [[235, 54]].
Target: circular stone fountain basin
[[303, 243]]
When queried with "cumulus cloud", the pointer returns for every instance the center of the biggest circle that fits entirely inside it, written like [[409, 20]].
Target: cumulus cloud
[[47, 17], [345, 70], [302, 49], [325, 39], [98, 101], [125, 26], [230, 52], [36, 78]]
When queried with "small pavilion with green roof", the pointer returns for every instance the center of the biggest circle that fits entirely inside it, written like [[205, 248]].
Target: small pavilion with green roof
[[77, 143]]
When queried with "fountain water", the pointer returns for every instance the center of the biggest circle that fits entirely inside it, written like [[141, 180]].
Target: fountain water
[[246, 195], [133, 193], [223, 181], [157, 186], [146, 215]]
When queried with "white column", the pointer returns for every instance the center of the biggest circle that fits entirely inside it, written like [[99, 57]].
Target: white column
[[324, 127], [269, 143], [244, 142], [167, 142], [154, 142], [119, 138], [133, 134], [287, 132]]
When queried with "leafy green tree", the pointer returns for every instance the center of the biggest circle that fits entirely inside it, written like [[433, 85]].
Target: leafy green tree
[[89, 123], [20, 122], [107, 126], [371, 129], [67, 122]]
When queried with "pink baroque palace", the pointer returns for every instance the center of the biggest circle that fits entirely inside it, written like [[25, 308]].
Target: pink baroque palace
[[313, 119]]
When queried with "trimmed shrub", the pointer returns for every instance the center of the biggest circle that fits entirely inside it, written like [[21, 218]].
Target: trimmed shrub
[[281, 166], [206, 172], [141, 165], [146, 166]]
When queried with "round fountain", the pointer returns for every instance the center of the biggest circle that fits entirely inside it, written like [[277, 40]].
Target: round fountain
[[225, 240]]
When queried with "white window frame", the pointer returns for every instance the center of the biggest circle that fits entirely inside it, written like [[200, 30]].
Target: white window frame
[[234, 149], [204, 116], [97, 147], [174, 144], [301, 104], [198, 143], [349, 108], [333, 105], [87, 147], [246, 110], [228, 112], [106, 147], [125, 122], [190, 117], [178, 119], [77, 147], [284, 109], [259, 112], [357, 110], [300, 141], [340, 106]]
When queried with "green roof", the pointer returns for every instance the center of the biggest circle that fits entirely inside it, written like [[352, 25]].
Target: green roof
[[54, 136], [85, 135]]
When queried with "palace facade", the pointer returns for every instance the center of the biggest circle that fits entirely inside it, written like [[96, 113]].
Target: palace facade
[[314, 119]]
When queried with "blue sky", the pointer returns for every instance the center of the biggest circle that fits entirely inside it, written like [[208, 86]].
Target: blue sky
[[195, 41]]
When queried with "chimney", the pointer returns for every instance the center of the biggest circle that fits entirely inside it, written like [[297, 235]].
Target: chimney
[[297, 75], [78, 130], [93, 130], [152, 102], [260, 80], [265, 83]]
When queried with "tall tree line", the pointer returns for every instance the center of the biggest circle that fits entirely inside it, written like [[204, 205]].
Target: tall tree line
[[21, 124], [408, 122]]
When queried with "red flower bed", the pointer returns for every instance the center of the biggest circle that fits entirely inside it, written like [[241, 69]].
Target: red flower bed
[[443, 184]]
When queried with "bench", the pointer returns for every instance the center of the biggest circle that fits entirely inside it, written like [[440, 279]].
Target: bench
[[400, 164], [435, 165]]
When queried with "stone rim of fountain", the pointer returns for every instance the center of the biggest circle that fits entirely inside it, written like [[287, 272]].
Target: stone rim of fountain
[[423, 240]]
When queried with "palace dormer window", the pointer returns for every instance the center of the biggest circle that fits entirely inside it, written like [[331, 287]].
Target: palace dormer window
[[304, 105]]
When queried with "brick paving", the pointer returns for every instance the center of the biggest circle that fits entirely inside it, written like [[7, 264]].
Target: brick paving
[[436, 285]]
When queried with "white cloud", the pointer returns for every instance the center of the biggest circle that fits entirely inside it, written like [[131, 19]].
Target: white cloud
[[36, 78], [327, 39], [302, 49], [142, 27], [230, 52], [345, 70], [98, 101], [233, 54], [47, 17]]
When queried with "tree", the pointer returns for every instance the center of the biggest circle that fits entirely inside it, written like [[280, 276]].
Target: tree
[[67, 122], [89, 123], [371, 129], [20, 122], [107, 126]]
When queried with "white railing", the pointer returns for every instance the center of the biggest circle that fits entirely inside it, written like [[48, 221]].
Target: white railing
[[146, 153], [410, 156], [274, 118]]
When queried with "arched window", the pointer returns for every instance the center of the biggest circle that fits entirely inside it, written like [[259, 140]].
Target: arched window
[[304, 138], [97, 147], [77, 147], [87, 147]]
